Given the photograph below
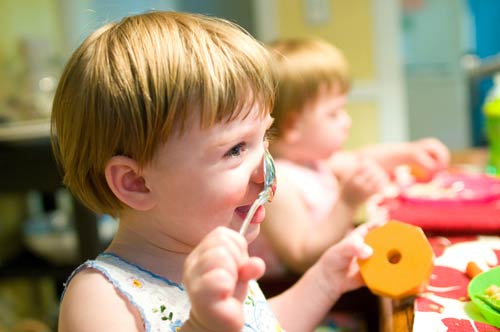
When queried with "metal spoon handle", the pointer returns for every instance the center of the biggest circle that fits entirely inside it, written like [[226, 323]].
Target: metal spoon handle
[[255, 205]]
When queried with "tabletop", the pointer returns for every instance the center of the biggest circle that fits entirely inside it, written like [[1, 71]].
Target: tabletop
[[445, 305]]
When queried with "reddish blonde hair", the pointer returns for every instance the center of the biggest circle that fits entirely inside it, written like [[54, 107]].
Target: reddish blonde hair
[[131, 83], [304, 67]]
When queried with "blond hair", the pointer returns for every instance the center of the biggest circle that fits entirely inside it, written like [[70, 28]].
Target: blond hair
[[131, 84], [304, 67]]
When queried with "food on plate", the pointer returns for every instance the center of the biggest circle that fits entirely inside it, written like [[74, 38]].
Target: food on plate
[[492, 297], [435, 190], [454, 187]]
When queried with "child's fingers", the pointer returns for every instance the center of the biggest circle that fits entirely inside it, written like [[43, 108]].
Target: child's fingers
[[252, 270], [213, 303], [359, 248], [368, 226], [211, 271], [216, 278], [215, 285], [353, 245], [366, 182], [437, 150], [372, 178], [426, 162], [218, 262], [219, 257], [222, 247], [432, 154], [340, 261]]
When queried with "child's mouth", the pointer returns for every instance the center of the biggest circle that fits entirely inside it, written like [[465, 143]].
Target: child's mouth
[[258, 217]]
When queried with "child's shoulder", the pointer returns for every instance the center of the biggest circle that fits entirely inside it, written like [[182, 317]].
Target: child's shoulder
[[89, 294], [88, 282], [124, 288]]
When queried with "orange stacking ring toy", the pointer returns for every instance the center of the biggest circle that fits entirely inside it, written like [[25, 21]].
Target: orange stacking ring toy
[[402, 260]]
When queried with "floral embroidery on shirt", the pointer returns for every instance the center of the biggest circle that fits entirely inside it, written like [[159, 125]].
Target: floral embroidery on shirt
[[250, 301], [136, 283], [250, 296], [162, 312], [176, 326]]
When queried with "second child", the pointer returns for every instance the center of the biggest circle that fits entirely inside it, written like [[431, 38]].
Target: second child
[[321, 185]]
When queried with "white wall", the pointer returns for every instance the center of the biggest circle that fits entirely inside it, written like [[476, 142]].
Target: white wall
[[435, 39], [393, 121]]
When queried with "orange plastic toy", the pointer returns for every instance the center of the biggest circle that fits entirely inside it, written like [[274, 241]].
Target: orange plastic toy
[[402, 260]]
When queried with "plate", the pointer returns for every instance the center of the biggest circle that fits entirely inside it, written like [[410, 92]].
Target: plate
[[477, 288], [450, 187]]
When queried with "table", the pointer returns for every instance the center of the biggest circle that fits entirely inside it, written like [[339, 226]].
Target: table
[[399, 316], [445, 305]]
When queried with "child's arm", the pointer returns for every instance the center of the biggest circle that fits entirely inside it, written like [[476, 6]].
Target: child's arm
[[320, 287], [364, 178], [295, 239], [427, 155], [299, 241], [216, 276]]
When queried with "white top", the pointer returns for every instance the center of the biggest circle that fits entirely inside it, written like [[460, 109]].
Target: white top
[[163, 304]]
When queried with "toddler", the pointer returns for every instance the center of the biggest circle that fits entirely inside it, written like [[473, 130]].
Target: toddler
[[322, 186], [160, 120]]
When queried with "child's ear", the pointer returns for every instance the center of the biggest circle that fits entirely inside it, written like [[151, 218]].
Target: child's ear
[[126, 182]]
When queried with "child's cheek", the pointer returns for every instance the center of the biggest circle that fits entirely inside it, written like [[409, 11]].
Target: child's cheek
[[234, 194]]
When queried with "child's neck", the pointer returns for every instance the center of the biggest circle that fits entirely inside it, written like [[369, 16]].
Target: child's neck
[[143, 249]]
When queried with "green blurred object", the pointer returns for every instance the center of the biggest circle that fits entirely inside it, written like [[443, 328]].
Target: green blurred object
[[493, 134], [491, 111], [477, 291]]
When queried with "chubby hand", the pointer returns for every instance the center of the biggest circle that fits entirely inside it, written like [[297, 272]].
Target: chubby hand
[[339, 262], [366, 179], [216, 276], [427, 156]]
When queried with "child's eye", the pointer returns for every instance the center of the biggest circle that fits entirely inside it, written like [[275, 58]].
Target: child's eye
[[236, 150]]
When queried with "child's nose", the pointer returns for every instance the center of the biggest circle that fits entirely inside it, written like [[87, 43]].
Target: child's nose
[[258, 173], [347, 120]]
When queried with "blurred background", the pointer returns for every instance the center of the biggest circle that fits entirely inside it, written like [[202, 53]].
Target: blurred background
[[420, 68]]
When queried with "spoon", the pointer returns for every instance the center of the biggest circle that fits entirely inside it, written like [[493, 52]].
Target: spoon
[[267, 193]]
